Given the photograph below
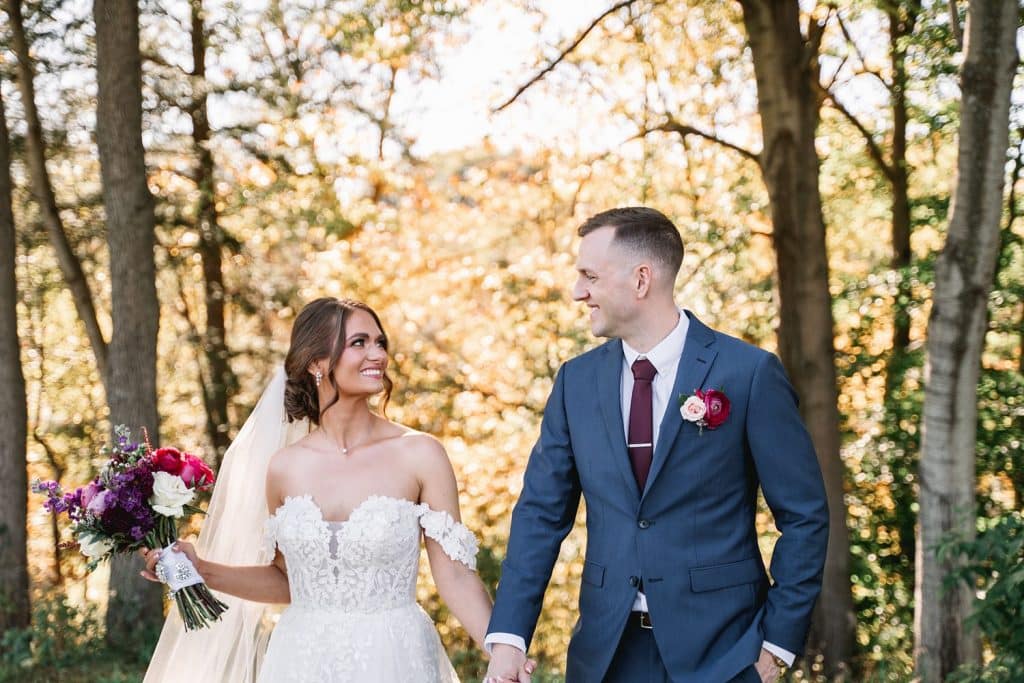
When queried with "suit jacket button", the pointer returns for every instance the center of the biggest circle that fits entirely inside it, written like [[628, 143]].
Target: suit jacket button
[[644, 523], [634, 581]]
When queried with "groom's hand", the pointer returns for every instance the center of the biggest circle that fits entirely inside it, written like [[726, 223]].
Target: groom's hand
[[766, 667], [508, 665]]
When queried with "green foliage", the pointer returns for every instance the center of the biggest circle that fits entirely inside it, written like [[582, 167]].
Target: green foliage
[[882, 465], [994, 565], [66, 643], [883, 434], [1000, 451]]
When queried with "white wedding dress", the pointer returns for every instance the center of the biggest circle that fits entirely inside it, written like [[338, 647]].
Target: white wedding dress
[[353, 614]]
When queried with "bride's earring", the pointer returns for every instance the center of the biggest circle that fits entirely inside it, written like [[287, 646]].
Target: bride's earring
[[318, 377]]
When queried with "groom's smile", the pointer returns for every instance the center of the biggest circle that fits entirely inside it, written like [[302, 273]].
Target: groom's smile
[[602, 283]]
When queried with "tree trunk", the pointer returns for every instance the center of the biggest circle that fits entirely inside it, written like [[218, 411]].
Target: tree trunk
[[1013, 212], [134, 603], [220, 381], [899, 28], [57, 580], [956, 333], [1007, 239], [902, 18], [786, 75], [42, 189], [14, 601]]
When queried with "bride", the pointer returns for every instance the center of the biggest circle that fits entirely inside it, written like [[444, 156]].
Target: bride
[[348, 502]]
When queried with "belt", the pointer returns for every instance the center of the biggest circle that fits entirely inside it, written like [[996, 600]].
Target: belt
[[645, 620]]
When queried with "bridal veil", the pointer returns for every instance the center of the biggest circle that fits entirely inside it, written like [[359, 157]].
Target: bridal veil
[[232, 648]]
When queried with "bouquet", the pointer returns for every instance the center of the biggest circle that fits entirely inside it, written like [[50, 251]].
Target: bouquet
[[136, 501]]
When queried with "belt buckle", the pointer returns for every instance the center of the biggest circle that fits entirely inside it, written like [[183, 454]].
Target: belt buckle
[[645, 620]]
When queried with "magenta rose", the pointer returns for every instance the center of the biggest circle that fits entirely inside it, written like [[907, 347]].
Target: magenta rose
[[168, 460], [195, 472], [717, 405]]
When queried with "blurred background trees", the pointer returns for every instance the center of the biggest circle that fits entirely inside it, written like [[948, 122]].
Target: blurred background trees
[[14, 585], [209, 166]]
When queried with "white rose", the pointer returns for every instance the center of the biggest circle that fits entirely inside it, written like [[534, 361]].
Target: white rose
[[170, 493], [95, 547], [693, 409]]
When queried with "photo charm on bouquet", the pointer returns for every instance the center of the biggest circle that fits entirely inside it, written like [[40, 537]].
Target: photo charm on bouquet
[[136, 502]]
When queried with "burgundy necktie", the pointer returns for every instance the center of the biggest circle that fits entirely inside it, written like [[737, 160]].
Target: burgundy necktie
[[641, 426]]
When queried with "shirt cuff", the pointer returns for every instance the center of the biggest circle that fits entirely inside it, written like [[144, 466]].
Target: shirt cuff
[[782, 653], [505, 639]]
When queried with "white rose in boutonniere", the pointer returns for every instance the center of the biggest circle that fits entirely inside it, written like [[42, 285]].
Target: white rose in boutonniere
[[170, 494], [693, 409]]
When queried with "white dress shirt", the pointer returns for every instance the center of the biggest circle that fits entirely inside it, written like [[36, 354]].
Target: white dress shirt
[[665, 358]]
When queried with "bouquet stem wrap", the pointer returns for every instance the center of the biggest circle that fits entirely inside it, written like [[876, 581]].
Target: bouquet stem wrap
[[196, 604]]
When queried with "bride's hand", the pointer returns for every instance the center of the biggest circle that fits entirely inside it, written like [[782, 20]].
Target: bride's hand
[[152, 556]]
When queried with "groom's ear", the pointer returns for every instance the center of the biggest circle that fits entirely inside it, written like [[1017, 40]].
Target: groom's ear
[[643, 279]]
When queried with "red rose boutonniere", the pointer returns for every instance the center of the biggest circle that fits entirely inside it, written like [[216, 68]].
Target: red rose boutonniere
[[709, 408]]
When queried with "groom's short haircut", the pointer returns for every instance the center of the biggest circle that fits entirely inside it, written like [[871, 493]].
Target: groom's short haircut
[[647, 231]]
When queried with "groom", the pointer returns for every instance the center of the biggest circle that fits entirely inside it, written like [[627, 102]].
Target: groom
[[673, 586]]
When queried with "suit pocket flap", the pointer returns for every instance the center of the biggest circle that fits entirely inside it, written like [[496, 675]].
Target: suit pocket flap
[[725, 575], [593, 574]]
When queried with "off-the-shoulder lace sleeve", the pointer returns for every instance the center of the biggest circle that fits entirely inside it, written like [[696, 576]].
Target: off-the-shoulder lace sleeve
[[455, 539]]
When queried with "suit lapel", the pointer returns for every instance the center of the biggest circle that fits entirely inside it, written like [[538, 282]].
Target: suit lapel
[[609, 393], [693, 368]]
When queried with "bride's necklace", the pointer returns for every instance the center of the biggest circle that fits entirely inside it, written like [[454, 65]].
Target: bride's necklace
[[338, 444]]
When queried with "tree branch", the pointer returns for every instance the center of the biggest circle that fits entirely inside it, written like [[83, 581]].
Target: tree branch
[[874, 149], [196, 338], [1013, 212], [835, 75], [43, 192], [815, 34], [954, 24], [153, 57], [673, 126], [564, 53], [860, 55]]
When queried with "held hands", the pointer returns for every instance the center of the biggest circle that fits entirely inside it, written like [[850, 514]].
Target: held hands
[[509, 665], [152, 555]]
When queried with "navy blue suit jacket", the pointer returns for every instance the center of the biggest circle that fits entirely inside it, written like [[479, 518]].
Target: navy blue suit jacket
[[690, 536]]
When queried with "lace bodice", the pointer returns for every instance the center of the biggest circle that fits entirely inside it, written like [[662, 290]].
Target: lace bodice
[[366, 563]]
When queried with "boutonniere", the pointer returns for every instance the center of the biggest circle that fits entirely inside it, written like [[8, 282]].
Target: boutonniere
[[709, 408]]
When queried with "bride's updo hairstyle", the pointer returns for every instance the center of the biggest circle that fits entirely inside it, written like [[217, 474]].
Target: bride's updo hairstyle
[[319, 332]]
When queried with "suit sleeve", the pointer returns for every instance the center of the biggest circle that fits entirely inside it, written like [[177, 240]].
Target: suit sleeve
[[793, 488], [542, 518]]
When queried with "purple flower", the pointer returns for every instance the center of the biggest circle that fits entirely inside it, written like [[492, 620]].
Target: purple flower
[[73, 502], [122, 508], [90, 491], [100, 502], [50, 488]]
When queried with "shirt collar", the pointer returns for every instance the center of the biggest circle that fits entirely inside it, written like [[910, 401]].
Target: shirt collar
[[665, 353]]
